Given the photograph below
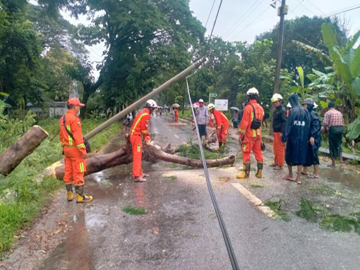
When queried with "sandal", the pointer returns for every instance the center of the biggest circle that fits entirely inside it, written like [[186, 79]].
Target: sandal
[[303, 173], [139, 179], [273, 165], [313, 176], [299, 183]]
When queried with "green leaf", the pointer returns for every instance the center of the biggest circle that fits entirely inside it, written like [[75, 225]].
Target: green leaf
[[323, 104], [337, 223], [356, 85], [353, 129], [338, 102], [4, 94], [353, 41], [355, 63], [301, 75], [328, 36], [307, 211], [342, 68]]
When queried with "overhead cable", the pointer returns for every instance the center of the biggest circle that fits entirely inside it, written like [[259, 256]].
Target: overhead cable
[[344, 11]]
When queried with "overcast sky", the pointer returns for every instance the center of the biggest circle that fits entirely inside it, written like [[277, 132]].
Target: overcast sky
[[243, 20]]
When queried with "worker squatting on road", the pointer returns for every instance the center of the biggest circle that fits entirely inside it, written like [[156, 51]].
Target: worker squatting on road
[[222, 125], [139, 129], [250, 134], [74, 150]]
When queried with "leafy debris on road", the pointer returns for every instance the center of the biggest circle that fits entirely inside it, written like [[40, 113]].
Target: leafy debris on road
[[276, 206], [134, 211]]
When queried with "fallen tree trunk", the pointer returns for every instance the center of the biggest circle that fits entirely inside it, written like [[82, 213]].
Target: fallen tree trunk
[[23, 147], [151, 153]]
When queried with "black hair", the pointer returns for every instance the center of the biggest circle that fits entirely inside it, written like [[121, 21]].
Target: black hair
[[331, 104], [253, 96], [70, 106]]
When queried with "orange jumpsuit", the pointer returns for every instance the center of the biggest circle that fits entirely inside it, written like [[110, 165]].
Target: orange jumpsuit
[[176, 115], [75, 165], [251, 140], [222, 125], [138, 129]]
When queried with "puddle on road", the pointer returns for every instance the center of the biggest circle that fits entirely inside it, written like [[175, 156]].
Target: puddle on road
[[347, 178]]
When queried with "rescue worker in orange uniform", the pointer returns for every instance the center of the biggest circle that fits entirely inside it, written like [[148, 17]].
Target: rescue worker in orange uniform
[[279, 123], [222, 125], [250, 134], [176, 114], [74, 152], [139, 129]]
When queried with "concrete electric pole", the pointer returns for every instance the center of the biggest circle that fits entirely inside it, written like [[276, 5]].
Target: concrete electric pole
[[282, 11]]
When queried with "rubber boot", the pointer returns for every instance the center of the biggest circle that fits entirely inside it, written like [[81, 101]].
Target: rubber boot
[[259, 170], [80, 196], [245, 173], [69, 192]]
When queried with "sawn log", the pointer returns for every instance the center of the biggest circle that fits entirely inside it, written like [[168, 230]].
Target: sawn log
[[23, 147]]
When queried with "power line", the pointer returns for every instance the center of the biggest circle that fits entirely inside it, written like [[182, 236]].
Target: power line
[[346, 10], [316, 7], [301, 3], [217, 14], [252, 21], [210, 13], [242, 18]]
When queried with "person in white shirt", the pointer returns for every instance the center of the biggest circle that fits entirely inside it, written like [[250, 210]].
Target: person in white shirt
[[202, 117]]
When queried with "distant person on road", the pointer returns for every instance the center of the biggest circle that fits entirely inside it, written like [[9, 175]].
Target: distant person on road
[[176, 115], [295, 138], [221, 124], [250, 134], [74, 149], [279, 123], [314, 140], [202, 117], [334, 125], [139, 129], [241, 113]]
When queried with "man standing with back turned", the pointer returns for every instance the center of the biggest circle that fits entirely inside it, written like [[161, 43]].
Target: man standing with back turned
[[250, 134], [74, 149], [334, 124]]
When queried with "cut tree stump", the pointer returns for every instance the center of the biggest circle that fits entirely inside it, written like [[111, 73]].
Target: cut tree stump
[[151, 153], [23, 147]]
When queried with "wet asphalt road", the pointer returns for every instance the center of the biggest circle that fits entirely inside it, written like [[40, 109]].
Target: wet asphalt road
[[180, 230]]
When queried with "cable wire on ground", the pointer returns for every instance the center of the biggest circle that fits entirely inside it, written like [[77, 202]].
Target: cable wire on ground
[[228, 245]]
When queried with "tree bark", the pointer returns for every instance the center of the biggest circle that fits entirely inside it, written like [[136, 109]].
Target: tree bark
[[23, 147], [151, 153]]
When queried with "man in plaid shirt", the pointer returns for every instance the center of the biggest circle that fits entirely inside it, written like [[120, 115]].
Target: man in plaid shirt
[[334, 124]]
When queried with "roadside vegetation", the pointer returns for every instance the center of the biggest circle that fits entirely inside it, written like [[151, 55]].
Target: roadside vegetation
[[23, 193]]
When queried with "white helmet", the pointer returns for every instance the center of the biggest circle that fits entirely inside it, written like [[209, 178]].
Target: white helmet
[[211, 106], [276, 97], [252, 91], [151, 103]]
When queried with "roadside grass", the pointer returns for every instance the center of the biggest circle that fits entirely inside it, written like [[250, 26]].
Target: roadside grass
[[22, 195], [134, 211], [170, 177]]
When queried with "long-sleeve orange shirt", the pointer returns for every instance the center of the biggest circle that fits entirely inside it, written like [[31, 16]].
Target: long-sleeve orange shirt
[[141, 124], [73, 124], [248, 116], [220, 119]]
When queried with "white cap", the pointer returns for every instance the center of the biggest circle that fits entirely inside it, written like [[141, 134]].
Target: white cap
[[276, 97], [211, 106], [151, 103], [252, 91], [201, 100]]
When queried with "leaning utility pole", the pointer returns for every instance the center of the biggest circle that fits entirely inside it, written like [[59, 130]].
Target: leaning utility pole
[[282, 11]]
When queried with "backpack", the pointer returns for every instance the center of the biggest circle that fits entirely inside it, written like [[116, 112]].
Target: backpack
[[256, 123]]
